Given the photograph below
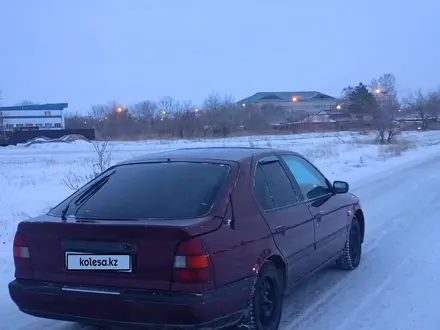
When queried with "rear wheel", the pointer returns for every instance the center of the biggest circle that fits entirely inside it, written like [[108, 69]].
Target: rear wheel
[[351, 256], [266, 302]]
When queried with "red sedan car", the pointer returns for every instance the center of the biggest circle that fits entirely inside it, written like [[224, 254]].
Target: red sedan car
[[191, 238]]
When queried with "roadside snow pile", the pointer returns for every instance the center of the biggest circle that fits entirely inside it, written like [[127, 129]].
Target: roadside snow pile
[[64, 139], [73, 138], [42, 141]]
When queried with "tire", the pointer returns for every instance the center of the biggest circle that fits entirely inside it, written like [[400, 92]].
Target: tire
[[352, 253], [262, 314]]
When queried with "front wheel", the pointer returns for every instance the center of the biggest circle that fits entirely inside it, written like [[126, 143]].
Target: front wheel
[[266, 302], [351, 255]]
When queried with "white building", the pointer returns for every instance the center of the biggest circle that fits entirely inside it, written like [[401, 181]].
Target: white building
[[37, 116]]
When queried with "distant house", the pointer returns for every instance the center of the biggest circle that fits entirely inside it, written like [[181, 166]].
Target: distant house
[[328, 116], [39, 116], [311, 102]]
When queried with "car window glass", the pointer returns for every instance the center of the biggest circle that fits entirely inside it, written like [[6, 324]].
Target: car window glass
[[310, 181], [262, 190], [174, 190], [280, 187]]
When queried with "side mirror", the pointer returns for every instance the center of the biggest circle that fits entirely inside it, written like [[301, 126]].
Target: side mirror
[[340, 187]]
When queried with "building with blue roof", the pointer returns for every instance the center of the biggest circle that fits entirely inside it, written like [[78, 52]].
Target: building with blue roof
[[39, 116]]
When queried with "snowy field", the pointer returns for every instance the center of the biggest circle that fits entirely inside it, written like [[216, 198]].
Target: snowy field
[[397, 284]]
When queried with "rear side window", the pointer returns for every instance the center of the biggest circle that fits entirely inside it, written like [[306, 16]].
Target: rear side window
[[174, 190], [262, 190], [278, 184]]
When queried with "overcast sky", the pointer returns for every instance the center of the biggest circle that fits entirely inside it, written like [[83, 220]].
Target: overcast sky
[[92, 51]]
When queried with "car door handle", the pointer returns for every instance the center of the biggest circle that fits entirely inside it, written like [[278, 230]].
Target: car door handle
[[280, 230], [317, 216]]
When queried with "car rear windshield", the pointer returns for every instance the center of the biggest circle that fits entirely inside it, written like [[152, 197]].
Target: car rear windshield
[[169, 190]]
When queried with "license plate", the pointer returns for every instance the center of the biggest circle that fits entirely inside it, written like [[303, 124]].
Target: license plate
[[98, 262]]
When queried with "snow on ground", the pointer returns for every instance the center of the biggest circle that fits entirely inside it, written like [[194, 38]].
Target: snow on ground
[[396, 285]]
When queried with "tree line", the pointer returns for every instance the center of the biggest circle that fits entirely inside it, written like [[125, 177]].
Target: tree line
[[380, 105], [218, 116], [376, 105]]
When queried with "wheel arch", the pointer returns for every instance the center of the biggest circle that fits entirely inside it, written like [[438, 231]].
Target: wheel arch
[[360, 216], [280, 264]]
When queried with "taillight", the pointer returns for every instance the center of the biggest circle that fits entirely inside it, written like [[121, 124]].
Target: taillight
[[191, 263], [20, 248]]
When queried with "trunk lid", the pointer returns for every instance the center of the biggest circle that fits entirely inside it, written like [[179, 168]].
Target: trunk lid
[[151, 245]]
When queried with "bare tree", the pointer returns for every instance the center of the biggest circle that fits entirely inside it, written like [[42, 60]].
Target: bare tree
[[212, 102], [103, 111], [434, 105], [418, 104], [102, 162], [221, 115], [385, 82], [167, 106], [215, 101], [384, 89], [184, 116], [104, 157], [387, 130], [228, 100], [144, 111]]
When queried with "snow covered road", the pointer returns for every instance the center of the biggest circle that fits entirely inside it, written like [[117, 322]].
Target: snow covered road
[[397, 284]]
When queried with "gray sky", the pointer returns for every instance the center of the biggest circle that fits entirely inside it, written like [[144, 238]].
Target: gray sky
[[93, 51]]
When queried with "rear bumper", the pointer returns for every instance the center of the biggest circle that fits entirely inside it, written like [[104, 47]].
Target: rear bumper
[[213, 309]]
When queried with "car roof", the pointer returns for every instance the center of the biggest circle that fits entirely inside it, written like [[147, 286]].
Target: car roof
[[235, 154]]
